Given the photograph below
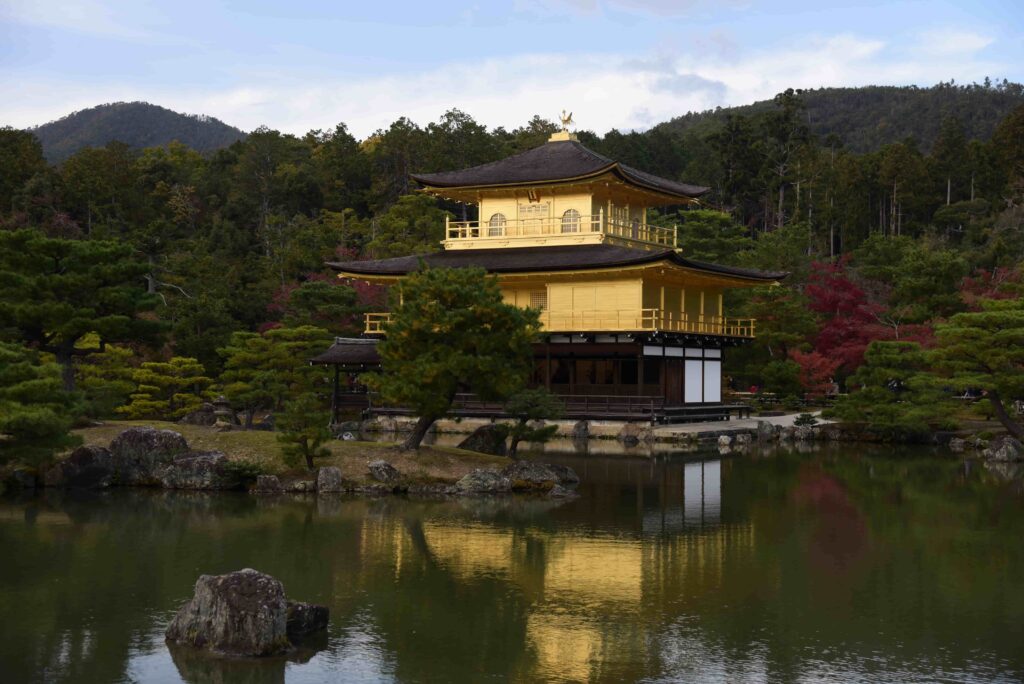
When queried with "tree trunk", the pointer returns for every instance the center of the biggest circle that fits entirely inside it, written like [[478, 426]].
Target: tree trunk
[[308, 449], [782, 199], [1012, 426], [249, 413], [513, 446], [949, 189], [66, 359], [412, 442]]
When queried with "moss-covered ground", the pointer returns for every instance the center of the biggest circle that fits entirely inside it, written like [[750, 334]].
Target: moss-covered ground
[[262, 450]]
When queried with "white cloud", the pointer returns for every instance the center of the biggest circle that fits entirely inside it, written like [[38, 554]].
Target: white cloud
[[605, 91], [950, 41]]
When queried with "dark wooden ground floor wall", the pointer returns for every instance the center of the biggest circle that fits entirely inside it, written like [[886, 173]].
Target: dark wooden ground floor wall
[[677, 374]]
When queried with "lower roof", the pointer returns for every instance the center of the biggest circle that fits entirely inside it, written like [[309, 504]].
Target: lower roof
[[537, 259], [354, 351]]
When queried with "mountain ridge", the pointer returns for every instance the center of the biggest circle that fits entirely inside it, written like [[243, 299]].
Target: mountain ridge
[[137, 124], [864, 118]]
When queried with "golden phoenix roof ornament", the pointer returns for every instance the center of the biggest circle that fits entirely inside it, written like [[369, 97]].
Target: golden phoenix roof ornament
[[566, 120]]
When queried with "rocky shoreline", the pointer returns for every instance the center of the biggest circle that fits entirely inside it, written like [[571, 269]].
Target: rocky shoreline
[[147, 457]]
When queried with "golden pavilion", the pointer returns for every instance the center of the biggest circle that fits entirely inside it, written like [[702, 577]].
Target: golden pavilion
[[631, 326]]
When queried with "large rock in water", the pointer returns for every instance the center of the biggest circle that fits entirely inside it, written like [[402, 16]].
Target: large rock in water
[[1004, 449], [481, 481], [88, 467], [302, 619], [243, 613], [139, 453], [487, 439], [542, 477], [199, 470]]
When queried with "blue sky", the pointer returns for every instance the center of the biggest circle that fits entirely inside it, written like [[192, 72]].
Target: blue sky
[[621, 64]]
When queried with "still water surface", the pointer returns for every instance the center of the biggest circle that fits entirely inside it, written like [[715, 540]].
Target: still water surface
[[834, 566]]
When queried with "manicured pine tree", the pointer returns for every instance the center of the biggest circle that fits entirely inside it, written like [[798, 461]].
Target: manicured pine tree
[[452, 333], [984, 350], [35, 414], [893, 394], [167, 390]]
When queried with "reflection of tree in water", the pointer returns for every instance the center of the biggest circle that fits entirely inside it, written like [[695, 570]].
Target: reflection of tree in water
[[839, 536]]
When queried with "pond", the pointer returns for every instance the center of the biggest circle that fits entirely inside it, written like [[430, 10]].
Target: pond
[[841, 565]]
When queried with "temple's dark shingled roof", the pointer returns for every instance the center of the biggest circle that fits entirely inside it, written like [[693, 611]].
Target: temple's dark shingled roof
[[553, 162], [350, 351], [529, 259]]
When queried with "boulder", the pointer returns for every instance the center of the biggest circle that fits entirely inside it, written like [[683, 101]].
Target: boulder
[[302, 486], [267, 484], [487, 439], [199, 470], [803, 433], [329, 480], [957, 444], [88, 467], [765, 431], [581, 430], [1004, 449], [139, 453], [481, 481], [530, 476], [743, 439], [204, 415], [724, 440], [631, 434], [303, 619], [242, 613], [382, 471]]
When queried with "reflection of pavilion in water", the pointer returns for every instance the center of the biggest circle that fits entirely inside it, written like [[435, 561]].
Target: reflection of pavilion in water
[[597, 596], [700, 505]]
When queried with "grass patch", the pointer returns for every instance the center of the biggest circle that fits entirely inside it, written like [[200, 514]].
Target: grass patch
[[261, 449]]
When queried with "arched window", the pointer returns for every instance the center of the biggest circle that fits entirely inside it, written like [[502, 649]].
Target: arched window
[[571, 221], [496, 226]]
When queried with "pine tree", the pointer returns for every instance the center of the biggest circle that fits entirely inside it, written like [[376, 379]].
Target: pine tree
[[452, 333], [35, 414], [891, 393], [984, 350], [303, 428], [530, 405], [54, 292], [167, 390]]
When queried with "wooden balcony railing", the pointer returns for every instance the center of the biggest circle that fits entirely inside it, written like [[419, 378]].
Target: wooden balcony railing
[[561, 226], [622, 320]]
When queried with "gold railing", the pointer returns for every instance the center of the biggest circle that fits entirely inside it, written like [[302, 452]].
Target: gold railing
[[376, 322], [622, 320], [561, 226]]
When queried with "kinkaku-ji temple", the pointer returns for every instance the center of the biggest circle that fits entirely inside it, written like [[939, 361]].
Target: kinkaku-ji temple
[[631, 327]]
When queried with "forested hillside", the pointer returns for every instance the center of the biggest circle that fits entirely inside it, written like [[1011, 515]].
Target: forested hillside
[[865, 119], [226, 251], [137, 124]]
